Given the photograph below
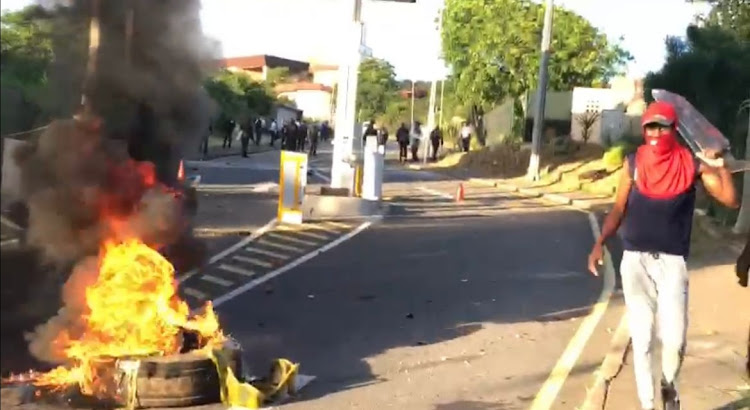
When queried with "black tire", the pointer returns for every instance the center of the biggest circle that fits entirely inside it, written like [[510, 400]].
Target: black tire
[[188, 379]]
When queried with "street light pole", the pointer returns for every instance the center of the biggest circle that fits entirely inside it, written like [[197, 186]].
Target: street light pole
[[412, 104], [536, 134]]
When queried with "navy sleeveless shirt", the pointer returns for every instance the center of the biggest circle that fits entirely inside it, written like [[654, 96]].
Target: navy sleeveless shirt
[[658, 225]]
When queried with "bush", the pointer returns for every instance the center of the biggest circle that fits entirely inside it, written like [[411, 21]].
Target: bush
[[615, 156]]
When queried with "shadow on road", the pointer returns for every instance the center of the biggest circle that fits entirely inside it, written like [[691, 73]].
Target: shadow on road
[[407, 287]]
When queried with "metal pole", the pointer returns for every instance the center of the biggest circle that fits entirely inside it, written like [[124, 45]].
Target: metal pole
[[536, 134], [442, 89], [430, 120], [412, 104], [93, 53]]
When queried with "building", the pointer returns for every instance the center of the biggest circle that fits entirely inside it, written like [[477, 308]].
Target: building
[[311, 86]]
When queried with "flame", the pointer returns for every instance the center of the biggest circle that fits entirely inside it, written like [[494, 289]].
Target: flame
[[133, 310]]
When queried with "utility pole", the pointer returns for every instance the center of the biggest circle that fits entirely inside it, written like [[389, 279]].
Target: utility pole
[[412, 104], [442, 89], [94, 34], [430, 121], [541, 97]]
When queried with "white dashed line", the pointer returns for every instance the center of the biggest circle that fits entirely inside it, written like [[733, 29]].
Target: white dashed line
[[216, 280], [267, 253], [195, 293], [252, 261], [237, 270]]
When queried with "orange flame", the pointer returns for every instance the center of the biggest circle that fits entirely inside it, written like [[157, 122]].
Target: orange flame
[[133, 310]]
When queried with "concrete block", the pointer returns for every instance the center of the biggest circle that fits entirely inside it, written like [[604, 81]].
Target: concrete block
[[316, 207]]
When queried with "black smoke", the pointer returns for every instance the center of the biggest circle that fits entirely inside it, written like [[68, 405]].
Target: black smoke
[[111, 172]]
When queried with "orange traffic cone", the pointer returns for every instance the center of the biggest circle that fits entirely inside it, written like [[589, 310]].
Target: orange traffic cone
[[181, 172], [460, 193]]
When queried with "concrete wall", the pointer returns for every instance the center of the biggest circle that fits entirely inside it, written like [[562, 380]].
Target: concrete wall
[[557, 105], [326, 77], [315, 104]]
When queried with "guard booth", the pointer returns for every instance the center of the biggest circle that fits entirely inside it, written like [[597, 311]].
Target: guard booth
[[292, 183]]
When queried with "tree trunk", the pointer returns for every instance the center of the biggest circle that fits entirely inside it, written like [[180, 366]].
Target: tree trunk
[[743, 219]]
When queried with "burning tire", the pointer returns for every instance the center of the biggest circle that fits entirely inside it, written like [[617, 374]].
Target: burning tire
[[188, 379]]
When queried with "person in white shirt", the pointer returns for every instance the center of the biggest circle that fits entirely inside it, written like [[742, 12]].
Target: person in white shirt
[[466, 132], [416, 139]]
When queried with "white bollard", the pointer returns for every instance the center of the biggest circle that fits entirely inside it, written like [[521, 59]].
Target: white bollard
[[374, 164]]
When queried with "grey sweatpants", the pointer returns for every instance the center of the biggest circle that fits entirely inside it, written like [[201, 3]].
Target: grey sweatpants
[[655, 285]]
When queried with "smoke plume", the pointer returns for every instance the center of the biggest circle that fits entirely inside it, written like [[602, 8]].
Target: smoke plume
[[112, 172]]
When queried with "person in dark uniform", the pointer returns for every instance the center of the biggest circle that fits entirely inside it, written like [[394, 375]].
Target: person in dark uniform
[[301, 135], [436, 138], [227, 143], [402, 137], [247, 135], [258, 130], [312, 136], [369, 131], [325, 131]]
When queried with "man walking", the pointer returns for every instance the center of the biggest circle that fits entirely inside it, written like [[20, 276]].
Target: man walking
[[402, 137], [655, 202], [436, 138]]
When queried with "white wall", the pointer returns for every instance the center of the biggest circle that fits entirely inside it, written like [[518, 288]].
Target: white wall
[[315, 104]]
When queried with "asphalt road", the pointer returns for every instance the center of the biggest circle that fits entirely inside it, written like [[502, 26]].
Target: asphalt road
[[441, 305]]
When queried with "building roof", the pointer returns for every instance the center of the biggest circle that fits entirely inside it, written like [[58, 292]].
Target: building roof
[[302, 86], [257, 62]]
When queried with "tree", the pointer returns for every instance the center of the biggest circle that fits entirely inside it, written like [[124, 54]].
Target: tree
[[711, 68], [731, 15], [376, 88], [238, 97], [25, 57], [493, 49]]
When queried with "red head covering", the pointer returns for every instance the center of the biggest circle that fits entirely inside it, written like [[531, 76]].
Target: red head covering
[[664, 168]]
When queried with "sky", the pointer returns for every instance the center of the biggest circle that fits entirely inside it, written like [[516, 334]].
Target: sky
[[406, 35]]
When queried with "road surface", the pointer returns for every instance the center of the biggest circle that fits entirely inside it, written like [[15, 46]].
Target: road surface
[[441, 305]]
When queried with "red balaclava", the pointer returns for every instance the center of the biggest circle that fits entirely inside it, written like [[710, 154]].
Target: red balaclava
[[664, 168]]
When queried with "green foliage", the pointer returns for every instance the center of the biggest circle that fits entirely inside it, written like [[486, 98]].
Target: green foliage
[[277, 75], [238, 97], [732, 15], [492, 46], [711, 68], [615, 155], [376, 88], [25, 57]]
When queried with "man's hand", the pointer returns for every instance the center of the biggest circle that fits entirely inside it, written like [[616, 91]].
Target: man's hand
[[712, 158], [595, 259]]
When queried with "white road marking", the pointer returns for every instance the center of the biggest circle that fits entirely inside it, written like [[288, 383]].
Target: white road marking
[[291, 239], [335, 224], [304, 232], [256, 282], [255, 235], [195, 293], [546, 396], [237, 270], [435, 192], [216, 280], [252, 261], [267, 253], [278, 246], [320, 175]]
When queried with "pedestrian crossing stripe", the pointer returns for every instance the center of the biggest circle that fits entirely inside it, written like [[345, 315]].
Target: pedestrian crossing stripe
[[195, 293], [279, 246], [303, 232], [269, 250], [236, 269], [216, 280], [266, 252], [291, 239], [252, 261]]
